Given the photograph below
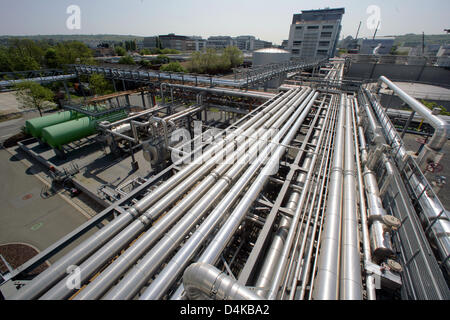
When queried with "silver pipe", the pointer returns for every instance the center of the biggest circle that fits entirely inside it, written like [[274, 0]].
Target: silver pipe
[[324, 186], [216, 246], [281, 265], [350, 271], [434, 212], [57, 270], [327, 282], [129, 286], [303, 232], [442, 128], [94, 262], [205, 282], [102, 282], [273, 253], [370, 281]]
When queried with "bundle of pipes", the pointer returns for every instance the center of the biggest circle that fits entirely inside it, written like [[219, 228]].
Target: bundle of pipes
[[169, 243], [94, 252]]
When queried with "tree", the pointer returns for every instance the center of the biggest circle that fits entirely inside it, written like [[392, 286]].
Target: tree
[[33, 95], [145, 52], [99, 85], [235, 56], [173, 67], [126, 60], [51, 58], [212, 62], [120, 51]]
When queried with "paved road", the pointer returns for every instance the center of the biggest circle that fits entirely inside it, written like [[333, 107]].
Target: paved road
[[25, 217]]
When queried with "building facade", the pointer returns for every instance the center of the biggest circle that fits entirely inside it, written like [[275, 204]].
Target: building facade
[[150, 42], [173, 41], [380, 46], [314, 34], [220, 42]]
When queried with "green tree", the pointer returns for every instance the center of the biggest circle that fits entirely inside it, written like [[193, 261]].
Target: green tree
[[173, 67], [145, 52], [235, 56], [127, 60], [73, 52], [33, 95], [51, 58], [120, 51], [99, 85]]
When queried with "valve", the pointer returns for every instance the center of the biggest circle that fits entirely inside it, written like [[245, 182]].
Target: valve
[[392, 222]]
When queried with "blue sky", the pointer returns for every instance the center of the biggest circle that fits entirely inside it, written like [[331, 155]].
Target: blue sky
[[268, 20]]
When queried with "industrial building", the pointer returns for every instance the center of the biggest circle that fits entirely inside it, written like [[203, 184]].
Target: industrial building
[[378, 46], [315, 33], [289, 180]]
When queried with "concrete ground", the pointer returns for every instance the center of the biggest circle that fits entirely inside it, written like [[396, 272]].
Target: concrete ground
[[423, 91], [25, 217]]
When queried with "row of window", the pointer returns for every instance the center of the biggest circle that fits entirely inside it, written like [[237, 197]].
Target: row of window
[[321, 43], [314, 27], [320, 52]]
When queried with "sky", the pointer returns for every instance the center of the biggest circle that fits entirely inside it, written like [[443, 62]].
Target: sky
[[267, 20]]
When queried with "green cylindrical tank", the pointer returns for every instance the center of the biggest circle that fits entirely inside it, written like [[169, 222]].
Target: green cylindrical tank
[[58, 135], [35, 126]]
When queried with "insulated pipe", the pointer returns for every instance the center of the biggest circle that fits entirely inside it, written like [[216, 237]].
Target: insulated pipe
[[370, 281], [57, 270], [273, 253], [350, 272], [442, 128], [217, 245], [327, 282], [304, 234], [223, 91], [138, 276], [439, 220], [105, 279], [205, 282], [282, 262], [94, 262]]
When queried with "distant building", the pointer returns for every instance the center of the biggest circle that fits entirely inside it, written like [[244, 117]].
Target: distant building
[[150, 42], [195, 43], [250, 43], [219, 42], [381, 46], [314, 34], [173, 41], [284, 44]]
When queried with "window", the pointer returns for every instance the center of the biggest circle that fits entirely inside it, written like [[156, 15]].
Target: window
[[325, 34], [298, 27], [295, 51], [327, 27], [313, 27], [322, 51], [297, 43], [324, 43]]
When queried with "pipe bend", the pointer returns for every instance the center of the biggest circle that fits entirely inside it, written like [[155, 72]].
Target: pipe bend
[[204, 282]]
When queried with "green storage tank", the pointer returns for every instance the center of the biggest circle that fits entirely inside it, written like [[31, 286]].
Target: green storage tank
[[58, 135], [35, 126]]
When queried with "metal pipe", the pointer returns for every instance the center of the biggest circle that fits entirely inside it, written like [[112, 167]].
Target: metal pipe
[[57, 270], [216, 246], [350, 271], [281, 265], [370, 281], [128, 287], [327, 282], [130, 256], [442, 128], [204, 282], [273, 253]]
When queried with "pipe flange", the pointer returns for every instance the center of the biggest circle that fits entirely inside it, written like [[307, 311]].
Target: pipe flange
[[394, 265], [134, 213], [145, 220], [215, 175], [227, 179], [392, 222]]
